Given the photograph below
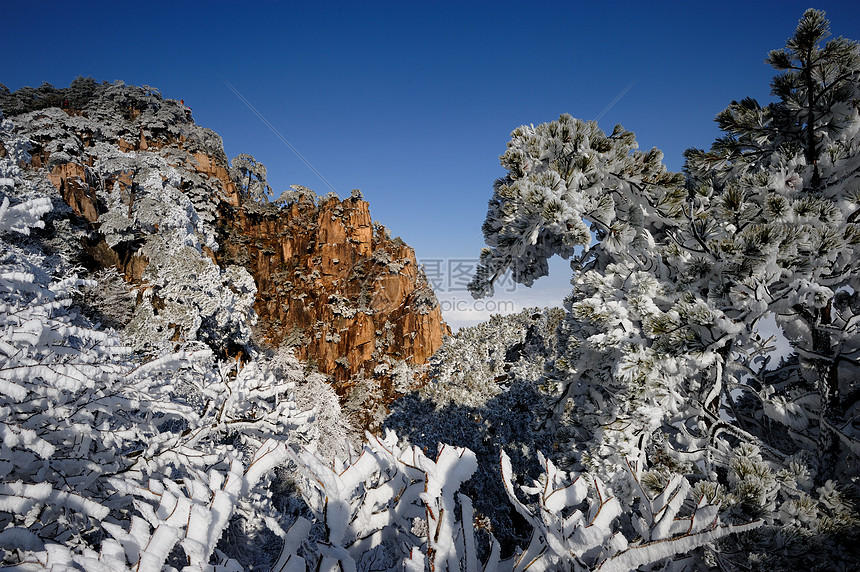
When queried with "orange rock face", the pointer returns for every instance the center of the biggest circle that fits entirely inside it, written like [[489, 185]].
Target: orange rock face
[[71, 180], [208, 166], [75, 184], [342, 292]]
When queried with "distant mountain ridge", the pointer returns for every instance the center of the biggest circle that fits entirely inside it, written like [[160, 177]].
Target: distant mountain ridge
[[152, 194]]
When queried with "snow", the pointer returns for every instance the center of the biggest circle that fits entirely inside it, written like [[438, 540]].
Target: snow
[[681, 397]]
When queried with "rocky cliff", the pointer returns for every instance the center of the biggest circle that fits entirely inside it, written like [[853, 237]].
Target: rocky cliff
[[349, 297], [151, 194]]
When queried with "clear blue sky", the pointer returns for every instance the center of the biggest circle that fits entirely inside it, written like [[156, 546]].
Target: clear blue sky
[[413, 102]]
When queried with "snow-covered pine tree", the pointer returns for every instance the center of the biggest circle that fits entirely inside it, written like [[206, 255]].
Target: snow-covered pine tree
[[250, 177], [663, 357], [786, 183], [567, 180]]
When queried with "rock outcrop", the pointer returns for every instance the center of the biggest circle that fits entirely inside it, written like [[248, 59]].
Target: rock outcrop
[[71, 180], [334, 285]]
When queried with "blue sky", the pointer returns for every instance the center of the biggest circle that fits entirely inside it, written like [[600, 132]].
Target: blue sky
[[413, 102]]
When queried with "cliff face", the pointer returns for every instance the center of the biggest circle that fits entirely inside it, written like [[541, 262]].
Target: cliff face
[[335, 286], [329, 282]]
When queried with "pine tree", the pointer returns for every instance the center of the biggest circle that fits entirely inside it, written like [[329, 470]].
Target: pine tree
[[665, 355], [250, 176], [787, 177]]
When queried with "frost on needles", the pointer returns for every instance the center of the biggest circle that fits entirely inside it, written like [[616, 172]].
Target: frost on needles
[[666, 432], [681, 283]]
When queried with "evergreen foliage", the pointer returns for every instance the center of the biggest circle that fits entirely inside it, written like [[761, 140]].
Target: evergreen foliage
[[682, 283], [650, 425], [250, 177]]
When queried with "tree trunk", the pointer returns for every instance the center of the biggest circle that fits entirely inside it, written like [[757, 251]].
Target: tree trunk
[[811, 152], [828, 390]]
